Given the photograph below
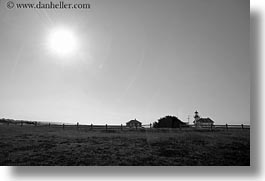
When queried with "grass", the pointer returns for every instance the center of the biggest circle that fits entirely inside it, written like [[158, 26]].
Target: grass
[[29, 145]]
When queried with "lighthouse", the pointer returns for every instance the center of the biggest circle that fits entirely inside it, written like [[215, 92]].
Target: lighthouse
[[202, 122], [196, 117]]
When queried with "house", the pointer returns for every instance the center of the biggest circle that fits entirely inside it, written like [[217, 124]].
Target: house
[[202, 122], [169, 122], [134, 124]]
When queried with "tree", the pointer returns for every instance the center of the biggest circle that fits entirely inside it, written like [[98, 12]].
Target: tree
[[169, 122]]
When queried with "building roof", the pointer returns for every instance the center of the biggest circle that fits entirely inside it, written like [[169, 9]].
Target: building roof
[[134, 121], [205, 120]]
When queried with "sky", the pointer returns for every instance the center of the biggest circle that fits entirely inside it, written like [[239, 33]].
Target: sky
[[142, 59]]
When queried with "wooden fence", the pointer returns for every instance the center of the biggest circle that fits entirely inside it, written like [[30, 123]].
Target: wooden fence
[[124, 127]]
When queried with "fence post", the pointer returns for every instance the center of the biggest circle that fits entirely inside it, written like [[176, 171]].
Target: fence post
[[77, 124], [226, 126], [242, 126], [21, 123], [63, 126], [106, 127], [49, 125], [91, 126], [150, 125], [121, 126], [135, 126], [211, 127]]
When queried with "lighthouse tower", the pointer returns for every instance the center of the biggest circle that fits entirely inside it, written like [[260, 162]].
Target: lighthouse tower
[[196, 117]]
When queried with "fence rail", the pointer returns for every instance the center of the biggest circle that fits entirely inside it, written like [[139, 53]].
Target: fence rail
[[124, 127]]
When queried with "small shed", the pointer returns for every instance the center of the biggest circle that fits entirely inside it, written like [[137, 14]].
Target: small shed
[[134, 124]]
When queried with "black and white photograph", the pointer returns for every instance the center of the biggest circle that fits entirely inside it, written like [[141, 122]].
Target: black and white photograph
[[125, 83]]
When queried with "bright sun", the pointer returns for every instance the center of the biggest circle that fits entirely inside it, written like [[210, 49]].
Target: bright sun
[[62, 41]]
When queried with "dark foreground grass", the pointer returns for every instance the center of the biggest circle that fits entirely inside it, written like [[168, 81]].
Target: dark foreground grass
[[54, 146]]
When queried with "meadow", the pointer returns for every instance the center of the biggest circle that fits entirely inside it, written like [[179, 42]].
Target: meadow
[[48, 146]]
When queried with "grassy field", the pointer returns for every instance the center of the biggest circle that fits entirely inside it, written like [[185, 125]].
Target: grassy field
[[54, 146]]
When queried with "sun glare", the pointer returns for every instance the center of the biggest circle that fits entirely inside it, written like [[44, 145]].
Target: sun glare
[[62, 42]]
